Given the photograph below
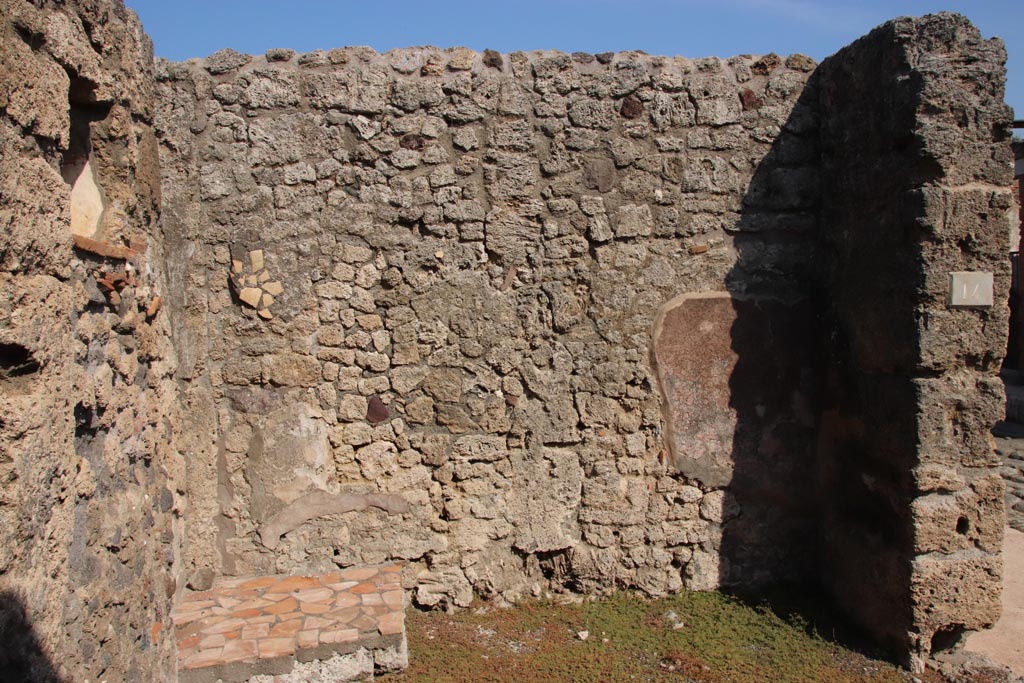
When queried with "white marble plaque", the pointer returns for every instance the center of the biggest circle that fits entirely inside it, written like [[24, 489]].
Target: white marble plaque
[[970, 290]]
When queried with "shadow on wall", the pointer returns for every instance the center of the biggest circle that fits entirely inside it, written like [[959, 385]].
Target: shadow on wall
[[22, 659], [770, 514], [758, 391], [739, 374]]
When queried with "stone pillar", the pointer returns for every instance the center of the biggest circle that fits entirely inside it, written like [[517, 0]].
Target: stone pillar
[[916, 186], [88, 501]]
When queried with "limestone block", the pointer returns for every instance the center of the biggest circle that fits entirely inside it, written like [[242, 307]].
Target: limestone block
[[633, 221], [480, 448], [226, 60], [960, 590], [291, 369], [547, 490]]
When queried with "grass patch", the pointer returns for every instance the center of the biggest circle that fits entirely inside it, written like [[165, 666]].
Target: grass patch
[[698, 637]]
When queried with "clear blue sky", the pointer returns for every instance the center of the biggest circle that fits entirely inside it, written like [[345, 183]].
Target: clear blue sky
[[693, 28]]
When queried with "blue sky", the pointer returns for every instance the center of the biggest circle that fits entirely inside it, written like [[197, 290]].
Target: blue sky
[[693, 28]]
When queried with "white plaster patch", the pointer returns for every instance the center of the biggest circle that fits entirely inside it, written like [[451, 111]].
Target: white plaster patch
[[86, 203]]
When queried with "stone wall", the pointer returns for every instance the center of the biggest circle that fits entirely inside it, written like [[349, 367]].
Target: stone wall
[[87, 397], [918, 168], [581, 322], [528, 322], [436, 274]]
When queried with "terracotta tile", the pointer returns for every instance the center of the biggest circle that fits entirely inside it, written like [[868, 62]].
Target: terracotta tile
[[305, 640], [391, 624], [315, 623], [329, 578], [347, 635], [285, 629], [257, 603], [374, 611], [394, 599], [314, 608], [373, 599], [239, 650], [315, 595], [256, 631], [363, 588], [288, 605], [293, 583], [201, 659], [343, 586], [393, 568], [182, 618], [216, 640], [268, 619], [189, 643], [225, 626], [245, 613], [364, 623], [344, 615], [346, 600], [261, 582], [359, 573], [186, 630], [210, 620], [276, 647], [248, 618]]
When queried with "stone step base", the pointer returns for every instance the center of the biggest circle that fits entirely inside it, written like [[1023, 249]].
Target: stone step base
[[341, 626]]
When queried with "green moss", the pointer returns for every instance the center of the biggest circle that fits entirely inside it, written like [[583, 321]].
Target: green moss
[[687, 637]]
